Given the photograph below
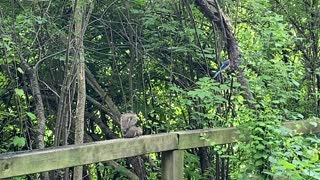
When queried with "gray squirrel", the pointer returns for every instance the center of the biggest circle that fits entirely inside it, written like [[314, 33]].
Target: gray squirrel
[[128, 125]]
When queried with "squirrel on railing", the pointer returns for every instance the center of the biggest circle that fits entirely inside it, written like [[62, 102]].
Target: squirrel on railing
[[128, 125]]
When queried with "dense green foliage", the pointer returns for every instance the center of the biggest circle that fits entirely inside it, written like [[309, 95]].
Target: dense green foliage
[[157, 58]]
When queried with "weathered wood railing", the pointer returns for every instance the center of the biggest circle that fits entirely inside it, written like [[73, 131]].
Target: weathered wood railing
[[170, 144]]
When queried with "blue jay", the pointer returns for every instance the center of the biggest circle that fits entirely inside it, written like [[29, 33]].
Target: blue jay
[[223, 66]]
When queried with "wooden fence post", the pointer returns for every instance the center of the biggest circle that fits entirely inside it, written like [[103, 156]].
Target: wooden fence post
[[172, 165]]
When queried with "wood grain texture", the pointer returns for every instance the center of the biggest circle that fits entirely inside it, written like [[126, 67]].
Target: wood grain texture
[[15, 164], [214, 136], [28, 162], [207, 137], [172, 164]]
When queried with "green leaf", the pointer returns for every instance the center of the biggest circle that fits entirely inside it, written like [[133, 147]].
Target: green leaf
[[19, 141], [101, 167], [314, 124], [287, 165], [262, 124], [224, 87], [62, 58], [140, 2], [295, 82], [272, 159], [20, 70], [300, 115], [31, 115], [257, 156], [258, 163], [260, 130], [260, 147], [315, 156], [19, 92]]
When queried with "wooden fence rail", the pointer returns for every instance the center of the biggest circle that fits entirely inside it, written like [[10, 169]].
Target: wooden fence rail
[[170, 144]]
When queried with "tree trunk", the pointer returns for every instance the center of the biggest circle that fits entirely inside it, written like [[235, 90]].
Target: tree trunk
[[81, 90], [138, 167], [212, 11], [40, 132], [204, 161], [81, 21]]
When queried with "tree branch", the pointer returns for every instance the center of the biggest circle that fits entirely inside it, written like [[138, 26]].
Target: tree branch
[[212, 11]]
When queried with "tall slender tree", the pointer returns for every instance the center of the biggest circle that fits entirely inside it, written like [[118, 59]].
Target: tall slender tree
[[82, 13]]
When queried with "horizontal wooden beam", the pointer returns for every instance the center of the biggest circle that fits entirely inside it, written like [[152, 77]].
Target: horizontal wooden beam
[[207, 137], [311, 126], [20, 163], [215, 136], [15, 164]]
